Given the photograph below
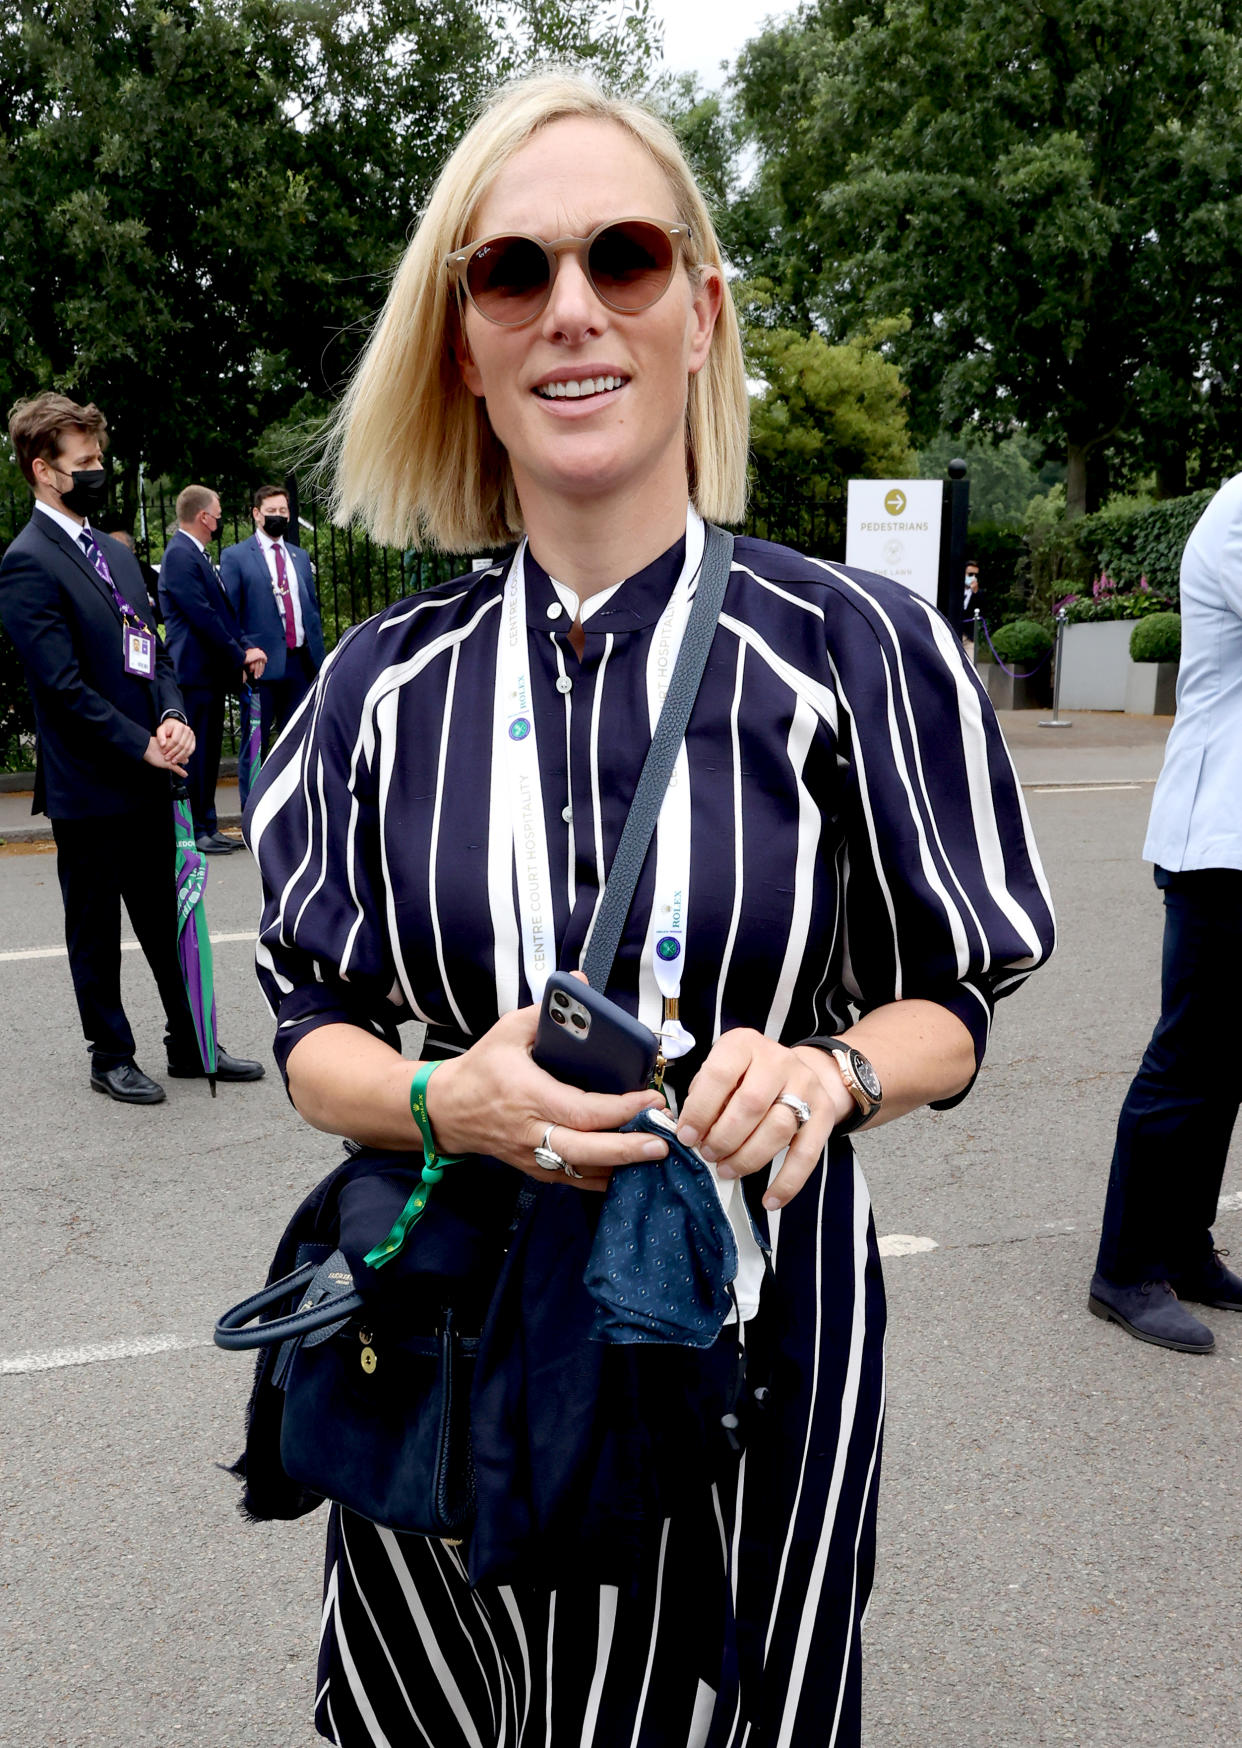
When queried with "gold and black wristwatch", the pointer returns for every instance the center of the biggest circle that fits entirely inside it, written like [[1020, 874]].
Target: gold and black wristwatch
[[861, 1081]]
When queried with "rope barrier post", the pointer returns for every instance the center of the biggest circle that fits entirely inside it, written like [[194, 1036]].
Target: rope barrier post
[[976, 636], [1056, 720]]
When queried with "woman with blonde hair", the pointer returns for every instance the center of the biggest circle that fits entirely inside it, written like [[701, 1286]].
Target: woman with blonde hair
[[841, 883]]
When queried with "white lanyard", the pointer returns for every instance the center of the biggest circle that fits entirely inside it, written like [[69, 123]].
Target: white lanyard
[[515, 747]]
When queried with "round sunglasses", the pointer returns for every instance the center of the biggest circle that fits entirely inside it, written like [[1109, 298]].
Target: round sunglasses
[[629, 263]]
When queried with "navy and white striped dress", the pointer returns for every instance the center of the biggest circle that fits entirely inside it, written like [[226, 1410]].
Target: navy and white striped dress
[[858, 835]]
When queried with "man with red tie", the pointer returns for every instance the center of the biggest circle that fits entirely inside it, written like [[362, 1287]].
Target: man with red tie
[[271, 585]]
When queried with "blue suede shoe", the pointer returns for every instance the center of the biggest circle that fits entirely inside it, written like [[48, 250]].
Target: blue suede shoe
[[1152, 1313], [1213, 1284]]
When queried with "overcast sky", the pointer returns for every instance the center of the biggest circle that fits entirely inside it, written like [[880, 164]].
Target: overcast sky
[[699, 34]]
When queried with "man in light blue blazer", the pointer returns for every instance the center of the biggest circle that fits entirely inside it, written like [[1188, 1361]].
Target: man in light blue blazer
[[1156, 1248], [271, 584]]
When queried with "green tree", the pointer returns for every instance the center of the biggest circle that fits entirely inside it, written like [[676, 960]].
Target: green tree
[[825, 414], [200, 200], [1048, 190]]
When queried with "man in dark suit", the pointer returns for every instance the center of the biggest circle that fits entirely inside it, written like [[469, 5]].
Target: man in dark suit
[[272, 587], [205, 642], [112, 735]]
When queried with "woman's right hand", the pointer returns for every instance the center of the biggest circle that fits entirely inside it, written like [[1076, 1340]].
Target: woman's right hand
[[495, 1099]]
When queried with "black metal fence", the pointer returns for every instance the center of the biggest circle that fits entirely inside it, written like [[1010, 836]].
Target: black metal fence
[[354, 576]]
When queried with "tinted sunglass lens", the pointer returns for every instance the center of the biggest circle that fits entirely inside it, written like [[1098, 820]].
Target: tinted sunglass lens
[[631, 264], [508, 279]]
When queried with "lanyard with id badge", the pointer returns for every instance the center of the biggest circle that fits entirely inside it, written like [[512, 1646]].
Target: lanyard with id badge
[[137, 638]]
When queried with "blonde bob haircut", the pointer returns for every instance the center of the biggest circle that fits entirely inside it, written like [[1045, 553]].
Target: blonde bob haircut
[[410, 451]]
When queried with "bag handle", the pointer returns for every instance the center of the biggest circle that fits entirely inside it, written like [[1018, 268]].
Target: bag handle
[[627, 864], [230, 1332]]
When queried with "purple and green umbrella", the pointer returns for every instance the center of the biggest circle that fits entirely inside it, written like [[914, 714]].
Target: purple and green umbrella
[[193, 941], [249, 744]]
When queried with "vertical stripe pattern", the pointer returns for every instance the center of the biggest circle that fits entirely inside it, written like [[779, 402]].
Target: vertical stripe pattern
[[858, 836]]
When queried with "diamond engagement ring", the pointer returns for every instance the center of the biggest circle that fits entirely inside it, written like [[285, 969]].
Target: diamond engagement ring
[[550, 1159], [799, 1107]]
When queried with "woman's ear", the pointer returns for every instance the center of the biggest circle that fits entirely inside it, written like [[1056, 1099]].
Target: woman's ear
[[466, 367], [704, 310]]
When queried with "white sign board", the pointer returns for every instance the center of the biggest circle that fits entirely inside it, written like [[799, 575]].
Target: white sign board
[[892, 526]]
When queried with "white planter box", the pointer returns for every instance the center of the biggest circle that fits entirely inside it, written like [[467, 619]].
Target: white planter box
[[1151, 689], [1095, 665]]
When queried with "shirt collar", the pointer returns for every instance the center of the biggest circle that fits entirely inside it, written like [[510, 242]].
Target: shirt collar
[[266, 542], [73, 529], [633, 604], [195, 539]]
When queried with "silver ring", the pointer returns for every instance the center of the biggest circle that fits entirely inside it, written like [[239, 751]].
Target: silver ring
[[550, 1159], [799, 1107]]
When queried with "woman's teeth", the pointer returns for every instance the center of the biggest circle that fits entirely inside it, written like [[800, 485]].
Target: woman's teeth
[[574, 391]]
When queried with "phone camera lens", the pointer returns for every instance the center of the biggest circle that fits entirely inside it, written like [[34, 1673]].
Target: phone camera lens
[[579, 1020], [558, 1016], [559, 1000]]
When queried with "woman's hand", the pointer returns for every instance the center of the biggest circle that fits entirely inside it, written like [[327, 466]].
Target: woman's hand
[[732, 1114], [494, 1099]]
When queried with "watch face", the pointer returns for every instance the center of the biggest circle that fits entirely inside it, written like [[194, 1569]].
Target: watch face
[[868, 1079]]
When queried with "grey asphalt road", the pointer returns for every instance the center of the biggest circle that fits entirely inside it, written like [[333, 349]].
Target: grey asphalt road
[[1059, 1542]]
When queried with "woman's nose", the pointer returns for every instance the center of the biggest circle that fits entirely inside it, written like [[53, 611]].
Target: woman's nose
[[573, 310]]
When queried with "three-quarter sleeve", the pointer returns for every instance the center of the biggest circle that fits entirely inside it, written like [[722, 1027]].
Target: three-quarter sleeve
[[323, 954], [944, 897]]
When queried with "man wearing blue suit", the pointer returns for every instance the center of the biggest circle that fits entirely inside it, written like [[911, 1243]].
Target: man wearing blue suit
[[1173, 1135], [272, 588], [204, 639]]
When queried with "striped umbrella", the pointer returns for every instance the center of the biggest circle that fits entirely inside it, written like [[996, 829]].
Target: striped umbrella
[[250, 743], [193, 941]]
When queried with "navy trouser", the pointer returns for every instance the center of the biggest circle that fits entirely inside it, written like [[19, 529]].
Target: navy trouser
[[130, 859], [1175, 1126], [204, 710], [278, 699]]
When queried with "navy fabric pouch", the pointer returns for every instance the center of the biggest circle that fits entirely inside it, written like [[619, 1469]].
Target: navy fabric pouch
[[664, 1255]]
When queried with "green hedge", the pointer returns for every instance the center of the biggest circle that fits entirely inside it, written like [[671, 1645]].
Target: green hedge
[[1128, 544], [1158, 638], [1021, 644]]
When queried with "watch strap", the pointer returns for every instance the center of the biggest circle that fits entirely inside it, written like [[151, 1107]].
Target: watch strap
[[865, 1107]]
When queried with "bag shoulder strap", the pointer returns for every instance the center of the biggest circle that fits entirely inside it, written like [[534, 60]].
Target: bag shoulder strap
[[605, 936]]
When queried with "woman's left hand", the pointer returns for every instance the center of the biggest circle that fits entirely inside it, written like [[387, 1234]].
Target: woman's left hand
[[733, 1116]]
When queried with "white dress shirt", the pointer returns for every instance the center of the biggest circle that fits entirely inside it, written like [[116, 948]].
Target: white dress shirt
[[267, 546], [1196, 813], [72, 528]]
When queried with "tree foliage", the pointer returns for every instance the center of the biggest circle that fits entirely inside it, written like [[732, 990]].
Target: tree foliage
[[201, 200], [1050, 191], [826, 413]]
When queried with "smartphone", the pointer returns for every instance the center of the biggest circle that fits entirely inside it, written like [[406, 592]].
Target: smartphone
[[589, 1042]]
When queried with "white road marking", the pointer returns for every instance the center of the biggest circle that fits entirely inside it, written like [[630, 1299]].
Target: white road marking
[[904, 1244], [1082, 788], [126, 1349], [126, 947], [1231, 1203]]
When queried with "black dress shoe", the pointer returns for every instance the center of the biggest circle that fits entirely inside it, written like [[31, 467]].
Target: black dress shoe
[[223, 842], [129, 1084], [1213, 1284], [215, 845], [227, 1067], [1151, 1313]]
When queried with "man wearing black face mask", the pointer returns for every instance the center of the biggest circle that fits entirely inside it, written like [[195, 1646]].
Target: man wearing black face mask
[[112, 734], [204, 640], [272, 587]]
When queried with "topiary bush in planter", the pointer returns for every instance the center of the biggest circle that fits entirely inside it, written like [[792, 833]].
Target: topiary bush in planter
[[1020, 644], [1157, 638]]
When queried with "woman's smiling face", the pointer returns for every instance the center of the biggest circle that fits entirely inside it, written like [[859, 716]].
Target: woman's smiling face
[[566, 439]]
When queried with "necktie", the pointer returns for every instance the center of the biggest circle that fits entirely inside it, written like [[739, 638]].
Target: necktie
[[92, 550], [286, 601], [94, 553]]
